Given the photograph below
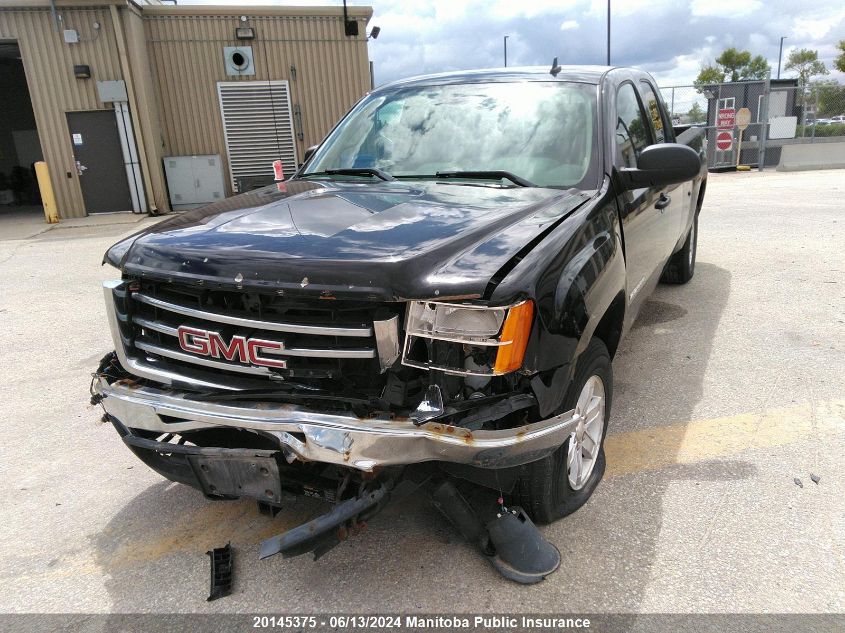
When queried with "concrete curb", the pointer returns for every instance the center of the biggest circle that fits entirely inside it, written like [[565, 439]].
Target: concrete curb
[[805, 157]]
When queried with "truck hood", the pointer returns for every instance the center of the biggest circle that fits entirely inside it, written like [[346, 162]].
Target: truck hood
[[391, 240]]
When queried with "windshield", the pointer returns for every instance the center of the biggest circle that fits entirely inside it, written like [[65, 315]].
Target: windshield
[[542, 132]]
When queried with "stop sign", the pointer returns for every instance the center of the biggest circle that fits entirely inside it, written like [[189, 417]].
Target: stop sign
[[724, 140]]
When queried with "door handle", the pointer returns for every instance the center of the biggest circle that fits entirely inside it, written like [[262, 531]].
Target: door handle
[[80, 168], [662, 202]]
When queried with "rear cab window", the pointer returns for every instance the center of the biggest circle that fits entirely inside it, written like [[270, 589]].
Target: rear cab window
[[661, 131], [632, 130]]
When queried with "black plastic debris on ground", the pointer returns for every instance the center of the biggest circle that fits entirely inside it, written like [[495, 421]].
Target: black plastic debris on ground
[[816, 479], [221, 572], [268, 510], [798, 483]]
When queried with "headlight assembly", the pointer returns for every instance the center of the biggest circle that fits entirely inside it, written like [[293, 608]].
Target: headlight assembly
[[466, 339]]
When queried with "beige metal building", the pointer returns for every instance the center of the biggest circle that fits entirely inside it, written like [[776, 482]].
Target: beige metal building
[[145, 107]]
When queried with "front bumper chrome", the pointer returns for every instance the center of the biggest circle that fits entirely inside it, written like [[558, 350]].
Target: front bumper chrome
[[335, 438]]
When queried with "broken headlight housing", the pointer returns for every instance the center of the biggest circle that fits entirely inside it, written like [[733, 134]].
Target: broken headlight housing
[[465, 339]]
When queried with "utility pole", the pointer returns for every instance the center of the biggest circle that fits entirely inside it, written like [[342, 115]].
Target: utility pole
[[506, 50], [780, 54], [764, 120], [608, 32]]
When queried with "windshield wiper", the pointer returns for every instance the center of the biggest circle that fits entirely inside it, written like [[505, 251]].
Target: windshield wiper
[[352, 171], [487, 175]]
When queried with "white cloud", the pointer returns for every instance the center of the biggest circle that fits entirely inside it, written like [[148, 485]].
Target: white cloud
[[728, 9], [624, 8], [758, 42], [509, 9], [568, 25], [680, 70], [817, 28]]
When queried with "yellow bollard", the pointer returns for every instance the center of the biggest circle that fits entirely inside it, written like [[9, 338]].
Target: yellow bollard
[[48, 198]]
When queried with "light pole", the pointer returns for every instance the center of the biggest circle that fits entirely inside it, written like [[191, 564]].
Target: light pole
[[506, 50], [608, 32], [780, 54]]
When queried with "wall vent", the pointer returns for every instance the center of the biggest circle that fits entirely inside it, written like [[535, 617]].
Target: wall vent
[[258, 127], [238, 60]]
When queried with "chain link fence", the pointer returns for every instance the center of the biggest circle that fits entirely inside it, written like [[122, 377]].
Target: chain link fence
[[779, 113]]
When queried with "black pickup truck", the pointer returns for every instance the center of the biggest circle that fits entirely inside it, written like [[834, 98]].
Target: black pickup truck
[[437, 292]]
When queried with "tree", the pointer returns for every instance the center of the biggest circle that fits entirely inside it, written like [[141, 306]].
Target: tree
[[757, 68], [806, 63], [732, 65], [839, 62], [696, 114], [733, 61], [709, 75], [830, 98]]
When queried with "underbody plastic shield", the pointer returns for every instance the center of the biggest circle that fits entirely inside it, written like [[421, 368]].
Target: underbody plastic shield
[[522, 554]]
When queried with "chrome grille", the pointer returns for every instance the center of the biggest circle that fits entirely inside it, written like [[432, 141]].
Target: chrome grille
[[319, 338], [298, 328]]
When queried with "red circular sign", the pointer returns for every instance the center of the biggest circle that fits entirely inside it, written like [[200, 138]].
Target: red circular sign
[[724, 140]]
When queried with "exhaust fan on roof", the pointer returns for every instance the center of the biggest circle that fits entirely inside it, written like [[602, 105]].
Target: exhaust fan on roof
[[238, 60]]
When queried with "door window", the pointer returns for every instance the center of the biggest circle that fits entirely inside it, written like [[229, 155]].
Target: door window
[[657, 125], [631, 128]]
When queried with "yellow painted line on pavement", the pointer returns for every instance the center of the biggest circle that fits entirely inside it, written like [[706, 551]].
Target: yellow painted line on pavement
[[199, 530], [209, 526], [658, 447], [627, 453]]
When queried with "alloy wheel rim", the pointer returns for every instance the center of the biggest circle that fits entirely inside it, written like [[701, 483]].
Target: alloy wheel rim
[[585, 440]]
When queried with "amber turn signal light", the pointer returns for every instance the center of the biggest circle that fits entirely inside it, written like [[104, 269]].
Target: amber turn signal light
[[515, 331]]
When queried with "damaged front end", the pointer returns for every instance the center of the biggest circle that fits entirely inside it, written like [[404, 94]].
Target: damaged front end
[[251, 395]]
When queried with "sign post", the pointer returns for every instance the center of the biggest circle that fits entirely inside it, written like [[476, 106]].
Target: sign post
[[743, 119]]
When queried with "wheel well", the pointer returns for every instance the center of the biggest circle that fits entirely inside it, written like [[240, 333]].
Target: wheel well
[[609, 329]]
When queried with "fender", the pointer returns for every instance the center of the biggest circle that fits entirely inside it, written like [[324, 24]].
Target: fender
[[588, 287], [582, 273], [591, 278], [607, 287]]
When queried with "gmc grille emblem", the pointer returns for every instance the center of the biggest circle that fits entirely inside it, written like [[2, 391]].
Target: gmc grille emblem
[[245, 350]]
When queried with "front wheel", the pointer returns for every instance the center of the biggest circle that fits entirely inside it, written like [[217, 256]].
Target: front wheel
[[560, 483]]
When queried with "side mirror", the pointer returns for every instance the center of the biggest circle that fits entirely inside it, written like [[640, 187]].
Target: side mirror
[[309, 153], [662, 164]]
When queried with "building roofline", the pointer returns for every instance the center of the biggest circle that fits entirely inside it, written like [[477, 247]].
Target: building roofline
[[199, 9], [254, 10], [60, 4]]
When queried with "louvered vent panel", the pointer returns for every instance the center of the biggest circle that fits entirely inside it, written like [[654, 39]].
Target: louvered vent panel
[[258, 126]]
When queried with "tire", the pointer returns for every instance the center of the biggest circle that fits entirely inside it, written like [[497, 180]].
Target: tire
[[681, 266], [544, 489]]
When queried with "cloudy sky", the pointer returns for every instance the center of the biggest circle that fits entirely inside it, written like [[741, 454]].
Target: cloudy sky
[[669, 38]]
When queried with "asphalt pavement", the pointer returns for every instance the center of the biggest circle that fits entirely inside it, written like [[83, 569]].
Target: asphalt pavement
[[727, 390]]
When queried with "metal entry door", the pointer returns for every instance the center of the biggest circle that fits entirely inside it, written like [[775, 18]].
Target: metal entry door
[[99, 161]]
